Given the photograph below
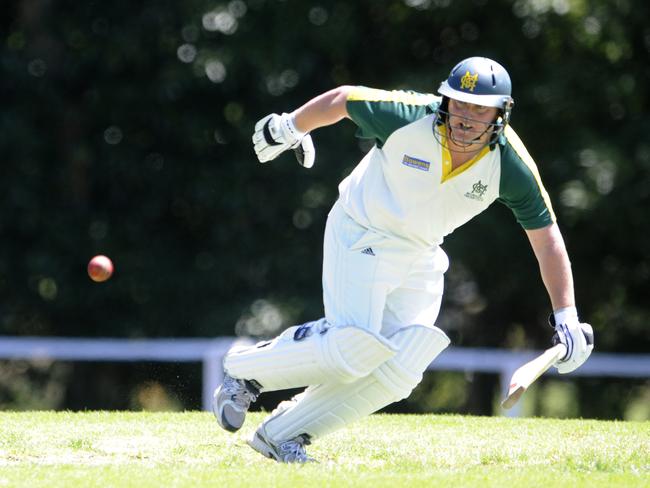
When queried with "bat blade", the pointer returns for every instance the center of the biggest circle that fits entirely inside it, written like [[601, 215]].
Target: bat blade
[[525, 375], [513, 396]]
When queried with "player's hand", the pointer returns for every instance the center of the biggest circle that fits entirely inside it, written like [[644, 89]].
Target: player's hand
[[576, 336], [275, 133]]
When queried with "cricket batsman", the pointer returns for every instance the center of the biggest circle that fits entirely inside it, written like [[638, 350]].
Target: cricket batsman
[[437, 161]]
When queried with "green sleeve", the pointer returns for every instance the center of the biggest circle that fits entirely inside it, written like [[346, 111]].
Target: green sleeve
[[521, 187], [378, 113]]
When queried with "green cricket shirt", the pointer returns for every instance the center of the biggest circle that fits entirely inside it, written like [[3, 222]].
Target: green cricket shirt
[[404, 187]]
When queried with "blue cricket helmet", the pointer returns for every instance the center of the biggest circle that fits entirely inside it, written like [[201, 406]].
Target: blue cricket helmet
[[481, 81]]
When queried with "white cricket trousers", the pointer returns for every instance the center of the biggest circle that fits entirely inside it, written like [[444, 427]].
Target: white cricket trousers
[[376, 282], [380, 284]]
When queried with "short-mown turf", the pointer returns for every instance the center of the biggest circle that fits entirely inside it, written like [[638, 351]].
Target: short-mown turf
[[141, 449]]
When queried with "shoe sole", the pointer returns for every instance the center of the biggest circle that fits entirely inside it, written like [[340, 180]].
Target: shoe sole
[[227, 426], [258, 443], [221, 417]]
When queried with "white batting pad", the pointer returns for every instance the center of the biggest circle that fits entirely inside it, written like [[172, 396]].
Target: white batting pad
[[310, 354], [418, 347], [325, 408]]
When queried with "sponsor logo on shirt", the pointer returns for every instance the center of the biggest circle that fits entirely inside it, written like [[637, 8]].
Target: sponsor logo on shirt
[[478, 190], [416, 163]]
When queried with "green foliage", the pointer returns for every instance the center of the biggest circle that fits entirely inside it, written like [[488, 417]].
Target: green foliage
[[188, 449], [125, 130]]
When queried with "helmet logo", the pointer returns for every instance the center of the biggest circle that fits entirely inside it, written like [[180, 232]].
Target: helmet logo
[[468, 81]]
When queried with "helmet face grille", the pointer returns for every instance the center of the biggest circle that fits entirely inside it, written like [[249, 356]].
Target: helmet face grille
[[442, 119]]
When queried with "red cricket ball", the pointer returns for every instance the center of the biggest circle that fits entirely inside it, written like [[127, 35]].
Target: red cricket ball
[[100, 268]]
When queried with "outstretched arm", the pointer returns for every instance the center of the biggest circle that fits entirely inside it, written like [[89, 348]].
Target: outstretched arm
[[325, 109], [276, 133], [555, 269]]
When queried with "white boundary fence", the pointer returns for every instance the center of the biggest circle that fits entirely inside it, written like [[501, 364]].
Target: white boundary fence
[[210, 353]]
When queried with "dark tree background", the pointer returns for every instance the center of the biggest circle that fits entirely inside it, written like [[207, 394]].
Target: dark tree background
[[125, 130]]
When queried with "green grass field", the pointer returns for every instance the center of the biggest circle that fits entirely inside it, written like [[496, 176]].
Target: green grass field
[[141, 449]]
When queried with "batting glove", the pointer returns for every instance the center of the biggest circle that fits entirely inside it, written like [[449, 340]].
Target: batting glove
[[577, 337], [275, 133]]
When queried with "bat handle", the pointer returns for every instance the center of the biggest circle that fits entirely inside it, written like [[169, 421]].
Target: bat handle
[[560, 351]]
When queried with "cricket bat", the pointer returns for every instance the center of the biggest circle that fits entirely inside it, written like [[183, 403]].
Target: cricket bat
[[529, 372]]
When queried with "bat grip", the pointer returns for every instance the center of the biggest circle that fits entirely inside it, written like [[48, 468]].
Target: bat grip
[[560, 351]]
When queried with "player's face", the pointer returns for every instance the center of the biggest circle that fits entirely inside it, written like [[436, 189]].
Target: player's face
[[470, 123]]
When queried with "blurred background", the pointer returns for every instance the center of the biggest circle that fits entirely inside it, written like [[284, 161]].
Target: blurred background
[[125, 130]]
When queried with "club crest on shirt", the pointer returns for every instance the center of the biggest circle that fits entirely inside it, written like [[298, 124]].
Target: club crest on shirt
[[416, 163], [478, 190]]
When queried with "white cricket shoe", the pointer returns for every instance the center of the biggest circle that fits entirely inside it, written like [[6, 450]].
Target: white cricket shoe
[[291, 451], [231, 401]]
